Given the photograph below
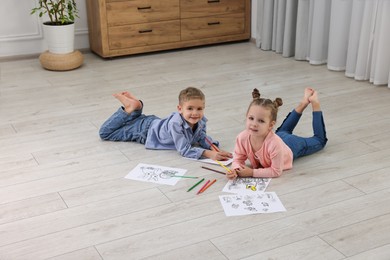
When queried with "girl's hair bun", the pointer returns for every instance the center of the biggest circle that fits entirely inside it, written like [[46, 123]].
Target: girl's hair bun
[[255, 94], [278, 102]]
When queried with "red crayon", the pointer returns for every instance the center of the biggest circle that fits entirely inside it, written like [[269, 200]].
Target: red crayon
[[201, 189], [211, 183], [212, 145]]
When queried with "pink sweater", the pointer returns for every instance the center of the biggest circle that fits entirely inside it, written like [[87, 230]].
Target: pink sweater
[[273, 157]]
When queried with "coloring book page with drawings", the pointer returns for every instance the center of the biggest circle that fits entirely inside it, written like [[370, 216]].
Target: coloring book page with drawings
[[155, 174], [255, 203]]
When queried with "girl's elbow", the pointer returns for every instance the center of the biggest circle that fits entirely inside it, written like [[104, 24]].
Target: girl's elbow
[[277, 173]]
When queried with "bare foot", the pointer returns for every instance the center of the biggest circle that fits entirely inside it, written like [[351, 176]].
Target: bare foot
[[130, 104], [307, 94], [128, 94], [305, 100], [315, 102]]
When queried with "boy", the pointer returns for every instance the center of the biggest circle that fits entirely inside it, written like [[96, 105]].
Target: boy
[[184, 130]]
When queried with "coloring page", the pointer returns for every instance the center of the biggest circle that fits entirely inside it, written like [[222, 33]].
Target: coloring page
[[255, 203], [247, 185], [156, 174]]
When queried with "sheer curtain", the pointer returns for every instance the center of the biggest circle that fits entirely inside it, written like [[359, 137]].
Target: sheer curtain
[[347, 35]]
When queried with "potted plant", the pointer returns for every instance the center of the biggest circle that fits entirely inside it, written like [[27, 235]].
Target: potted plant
[[59, 30]]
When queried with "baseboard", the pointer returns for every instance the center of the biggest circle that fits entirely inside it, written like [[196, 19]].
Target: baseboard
[[32, 56]]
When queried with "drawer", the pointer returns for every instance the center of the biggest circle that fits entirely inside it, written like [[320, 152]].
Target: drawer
[[141, 11], [143, 34], [199, 8], [206, 27]]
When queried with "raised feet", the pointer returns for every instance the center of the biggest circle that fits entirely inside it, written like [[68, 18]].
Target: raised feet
[[305, 100], [306, 96], [315, 102], [129, 101]]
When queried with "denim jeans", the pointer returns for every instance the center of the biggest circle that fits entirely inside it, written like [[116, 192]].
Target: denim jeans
[[127, 127], [302, 146]]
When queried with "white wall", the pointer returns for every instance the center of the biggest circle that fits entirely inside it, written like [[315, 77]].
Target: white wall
[[21, 33]]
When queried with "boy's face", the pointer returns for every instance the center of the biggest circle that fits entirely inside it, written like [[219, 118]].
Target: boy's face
[[192, 110]]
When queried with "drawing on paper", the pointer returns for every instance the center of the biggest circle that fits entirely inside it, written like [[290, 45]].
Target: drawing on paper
[[155, 173], [245, 204], [239, 185]]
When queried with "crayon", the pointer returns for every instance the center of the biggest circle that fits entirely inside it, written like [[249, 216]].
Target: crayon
[[183, 176], [201, 189], [196, 184], [211, 183], [226, 168], [207, 168], [212, 145]]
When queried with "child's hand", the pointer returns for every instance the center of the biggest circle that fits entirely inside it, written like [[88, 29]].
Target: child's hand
[[223, 156], [244, 171], [232, 174], [219, 156]]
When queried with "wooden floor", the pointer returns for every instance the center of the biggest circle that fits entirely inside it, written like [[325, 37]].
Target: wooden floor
[[63, 194]]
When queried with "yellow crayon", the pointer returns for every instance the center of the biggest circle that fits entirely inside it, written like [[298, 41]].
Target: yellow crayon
[[226, 168]]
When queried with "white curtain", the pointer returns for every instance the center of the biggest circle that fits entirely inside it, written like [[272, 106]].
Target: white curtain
[[347, 35]]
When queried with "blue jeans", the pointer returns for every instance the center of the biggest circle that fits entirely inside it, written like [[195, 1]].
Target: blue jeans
[[302, 146], [127, 127]]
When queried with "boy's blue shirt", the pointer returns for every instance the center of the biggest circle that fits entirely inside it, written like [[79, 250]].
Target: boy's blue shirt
[[174, 133]]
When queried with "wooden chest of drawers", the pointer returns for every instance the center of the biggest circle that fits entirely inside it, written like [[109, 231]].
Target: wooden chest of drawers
[[123, 27]]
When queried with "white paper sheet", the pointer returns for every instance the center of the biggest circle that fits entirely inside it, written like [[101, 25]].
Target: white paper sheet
[[255, 203], [155, 173]]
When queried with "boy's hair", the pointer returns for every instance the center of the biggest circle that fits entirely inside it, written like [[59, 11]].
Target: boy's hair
[[266, 103], [190, 93]]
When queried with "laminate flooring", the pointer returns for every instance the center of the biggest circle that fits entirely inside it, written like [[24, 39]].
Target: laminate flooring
[[63, 194]]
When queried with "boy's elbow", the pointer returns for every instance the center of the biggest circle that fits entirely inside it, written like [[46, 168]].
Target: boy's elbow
[[103, 135], [189, 154], [183, 153]]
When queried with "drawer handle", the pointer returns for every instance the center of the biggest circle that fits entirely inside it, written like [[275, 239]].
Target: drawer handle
[[213, 23], [145, 31], [144, 8], [212, 1]]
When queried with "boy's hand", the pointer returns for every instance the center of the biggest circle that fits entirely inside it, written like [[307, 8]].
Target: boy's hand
[[219, 156], [223, 156]]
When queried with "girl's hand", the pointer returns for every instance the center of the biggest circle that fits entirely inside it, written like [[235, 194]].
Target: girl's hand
[[244, 171], [232, 174]]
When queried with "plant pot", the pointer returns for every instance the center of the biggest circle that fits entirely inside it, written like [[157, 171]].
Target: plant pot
[[60, 38]]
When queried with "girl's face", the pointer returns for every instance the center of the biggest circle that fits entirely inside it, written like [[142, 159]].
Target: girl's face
[[192, 111], [258, 121]]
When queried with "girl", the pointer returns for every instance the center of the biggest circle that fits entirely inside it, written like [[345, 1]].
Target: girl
[[270, 153]]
